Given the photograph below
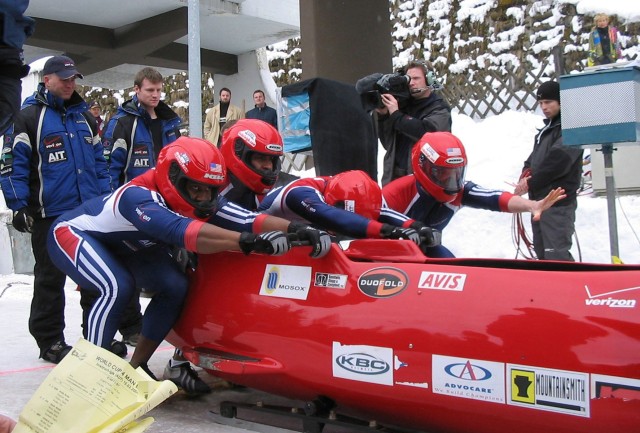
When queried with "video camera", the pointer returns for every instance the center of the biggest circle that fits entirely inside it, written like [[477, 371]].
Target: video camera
[[373, 86]]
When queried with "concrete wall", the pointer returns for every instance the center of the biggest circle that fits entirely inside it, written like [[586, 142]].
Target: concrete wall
[[253, 73]]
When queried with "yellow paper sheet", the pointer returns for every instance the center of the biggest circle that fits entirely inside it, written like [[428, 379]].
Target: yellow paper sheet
[[94, 391]]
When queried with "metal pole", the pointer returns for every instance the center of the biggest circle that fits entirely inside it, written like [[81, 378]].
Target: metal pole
[[607, 152], [195, 86]]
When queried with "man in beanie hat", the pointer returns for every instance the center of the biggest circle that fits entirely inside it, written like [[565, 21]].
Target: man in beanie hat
[[53, 162], [552, 165]]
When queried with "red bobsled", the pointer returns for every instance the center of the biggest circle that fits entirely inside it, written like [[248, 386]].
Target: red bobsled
[[446, 345]]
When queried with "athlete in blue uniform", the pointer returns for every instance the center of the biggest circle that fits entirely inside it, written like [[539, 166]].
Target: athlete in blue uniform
[[122, 241], [437, 189]]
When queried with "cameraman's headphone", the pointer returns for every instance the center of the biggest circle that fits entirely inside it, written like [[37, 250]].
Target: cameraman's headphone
[[429, 76]]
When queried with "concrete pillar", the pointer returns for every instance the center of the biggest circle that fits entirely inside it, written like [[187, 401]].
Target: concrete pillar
[[345, 40]]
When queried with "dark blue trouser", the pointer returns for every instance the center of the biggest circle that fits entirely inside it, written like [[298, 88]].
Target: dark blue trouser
[[116, 278]]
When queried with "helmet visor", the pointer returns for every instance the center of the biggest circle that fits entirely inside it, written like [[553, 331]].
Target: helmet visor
[[450, 179]]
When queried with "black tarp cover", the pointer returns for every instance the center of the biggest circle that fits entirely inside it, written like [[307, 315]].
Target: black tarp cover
[[342, 134]]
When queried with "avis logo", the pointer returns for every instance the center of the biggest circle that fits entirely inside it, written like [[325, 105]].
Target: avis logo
[[467, 371], [442, 281], [362, 363]]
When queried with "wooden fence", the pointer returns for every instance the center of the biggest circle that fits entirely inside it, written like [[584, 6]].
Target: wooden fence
[[493, 91]]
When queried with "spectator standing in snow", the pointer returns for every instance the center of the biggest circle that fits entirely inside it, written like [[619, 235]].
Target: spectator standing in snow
[[53, 162], [604, 42], [551, 165]]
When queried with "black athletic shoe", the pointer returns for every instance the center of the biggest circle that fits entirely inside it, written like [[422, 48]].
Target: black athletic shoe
[[118, 348], [145, 368], [56, 352], [131, 340], [186, 377]]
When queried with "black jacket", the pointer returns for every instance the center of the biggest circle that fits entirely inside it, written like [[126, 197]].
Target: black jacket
[[401, 130], [552, 164]]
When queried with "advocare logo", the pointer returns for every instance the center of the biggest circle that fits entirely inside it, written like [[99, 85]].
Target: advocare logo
[[467, 371], [383, 282]]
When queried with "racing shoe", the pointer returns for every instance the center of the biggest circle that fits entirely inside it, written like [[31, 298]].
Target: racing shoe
[[118, 348], [56, 352], [185, 377], [131, 340]]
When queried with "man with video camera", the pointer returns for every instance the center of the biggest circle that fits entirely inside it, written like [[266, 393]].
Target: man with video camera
[[403, 119]]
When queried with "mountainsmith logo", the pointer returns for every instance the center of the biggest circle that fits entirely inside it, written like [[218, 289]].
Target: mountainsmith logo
[[606, 300], [382, 282]]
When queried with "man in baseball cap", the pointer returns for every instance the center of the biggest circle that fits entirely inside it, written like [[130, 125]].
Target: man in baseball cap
[[62, 66], [57, 163]]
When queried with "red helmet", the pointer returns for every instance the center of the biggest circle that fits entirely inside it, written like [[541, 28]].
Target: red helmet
[[356, 192], [195, 160], [439, 164], [246, 138]]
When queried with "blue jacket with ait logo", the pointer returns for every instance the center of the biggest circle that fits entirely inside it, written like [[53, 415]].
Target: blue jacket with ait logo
[[128, 141], [52, 161]]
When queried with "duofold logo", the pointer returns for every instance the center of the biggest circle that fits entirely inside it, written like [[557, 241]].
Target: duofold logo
[[467, 371], [362, 363], [382, 282]]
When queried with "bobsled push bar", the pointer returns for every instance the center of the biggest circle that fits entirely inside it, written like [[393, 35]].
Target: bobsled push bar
[[314, 416]]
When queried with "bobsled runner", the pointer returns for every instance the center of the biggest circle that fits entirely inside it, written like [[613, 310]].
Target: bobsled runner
[[439, 345]]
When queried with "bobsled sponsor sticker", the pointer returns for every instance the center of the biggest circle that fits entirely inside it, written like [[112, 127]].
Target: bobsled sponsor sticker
[[442, 281], [284, 281], [363, 363], [383, 282], [550, 390], [621, 388], [612, 298], [468, 378], [332, 281]]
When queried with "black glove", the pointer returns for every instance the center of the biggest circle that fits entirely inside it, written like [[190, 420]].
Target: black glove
[[274, 243], [185, 259], [23, 221], [392, 232], [319, 239], [430, 237]]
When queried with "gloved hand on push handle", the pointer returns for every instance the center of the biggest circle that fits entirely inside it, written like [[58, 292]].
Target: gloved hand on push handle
[[319, 239], [429, 237], [392, 232], [274, 243]]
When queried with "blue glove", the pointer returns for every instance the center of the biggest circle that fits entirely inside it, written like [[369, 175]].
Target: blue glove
[[274, 243]]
